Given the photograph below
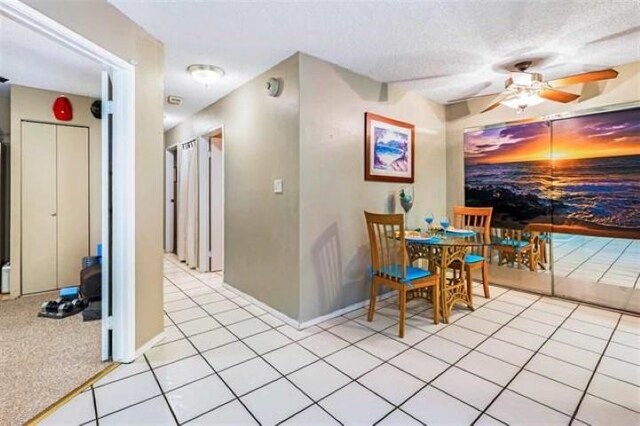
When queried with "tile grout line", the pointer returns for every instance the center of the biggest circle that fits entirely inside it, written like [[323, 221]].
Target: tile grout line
[[258, 355], [347, 319], [531, 306], [214, 371], [575, 248], [382, 361], [164, 396], [595, 369], [95, 405], [484, 305], [614, 262], [547, 355], [523, 368], [355, 380], [450, 366], [410, 346]]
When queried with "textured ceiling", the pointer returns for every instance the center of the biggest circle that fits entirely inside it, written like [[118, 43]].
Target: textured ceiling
[[30, 59], [453, 49]]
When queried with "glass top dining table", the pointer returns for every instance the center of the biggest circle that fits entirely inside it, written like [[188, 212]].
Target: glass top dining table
[[446, 251], [440, 238]]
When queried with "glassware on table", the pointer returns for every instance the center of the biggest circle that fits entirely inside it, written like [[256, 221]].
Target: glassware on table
[[444, 222], [429, 219]]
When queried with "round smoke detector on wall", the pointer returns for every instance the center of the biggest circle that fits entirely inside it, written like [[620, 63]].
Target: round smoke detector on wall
[[273, 87]]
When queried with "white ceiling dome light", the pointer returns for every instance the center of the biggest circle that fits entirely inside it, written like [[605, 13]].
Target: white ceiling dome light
[[205, 74]]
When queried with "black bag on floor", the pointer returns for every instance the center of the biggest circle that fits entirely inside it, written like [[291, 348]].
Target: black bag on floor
[[92, 312], [91, 282]]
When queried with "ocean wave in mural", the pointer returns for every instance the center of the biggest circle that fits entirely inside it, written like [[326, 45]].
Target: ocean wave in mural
[[581, 172]]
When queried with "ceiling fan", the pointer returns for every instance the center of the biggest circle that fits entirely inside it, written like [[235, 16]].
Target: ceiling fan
[[525, 89]]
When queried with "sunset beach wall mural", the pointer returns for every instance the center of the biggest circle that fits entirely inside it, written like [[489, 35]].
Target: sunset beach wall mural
[[582, 173]]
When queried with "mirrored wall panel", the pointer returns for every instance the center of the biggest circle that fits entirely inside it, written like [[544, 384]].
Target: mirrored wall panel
[[566, 200]]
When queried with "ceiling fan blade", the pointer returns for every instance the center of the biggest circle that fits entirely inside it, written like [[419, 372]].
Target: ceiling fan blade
[[468, 98], [584, 78], [494, 104], [557, 95]]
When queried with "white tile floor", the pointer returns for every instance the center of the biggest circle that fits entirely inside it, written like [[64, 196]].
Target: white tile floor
[[517, 359], [611, 261]]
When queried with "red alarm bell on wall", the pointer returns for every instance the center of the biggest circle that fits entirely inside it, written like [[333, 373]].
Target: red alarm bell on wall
[[62, 109]]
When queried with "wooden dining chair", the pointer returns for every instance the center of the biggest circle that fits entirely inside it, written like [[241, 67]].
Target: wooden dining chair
[[390, 265], [518, 248], [477, 219]]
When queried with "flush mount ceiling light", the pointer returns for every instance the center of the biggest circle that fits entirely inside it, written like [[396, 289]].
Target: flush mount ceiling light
[[205, 74]]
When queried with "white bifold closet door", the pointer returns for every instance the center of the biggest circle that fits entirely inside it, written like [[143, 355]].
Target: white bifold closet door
[[39, 200], [73, 202], [55, 205], [187, 232]]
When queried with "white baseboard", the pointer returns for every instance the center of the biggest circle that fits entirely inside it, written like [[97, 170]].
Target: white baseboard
[[343, 311], [151, 343], [306, 324], [262, 305]]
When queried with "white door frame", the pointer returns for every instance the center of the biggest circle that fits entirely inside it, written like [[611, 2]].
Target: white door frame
[[122, 258], [170, 198], [204, 199], [202, 144], [213, 236]]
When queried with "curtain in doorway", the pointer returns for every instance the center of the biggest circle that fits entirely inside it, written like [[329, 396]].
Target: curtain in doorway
[[187, 232]]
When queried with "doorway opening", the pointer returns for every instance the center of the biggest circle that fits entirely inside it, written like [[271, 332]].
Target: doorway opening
[[63, 185], [171, 200], [194, 201]]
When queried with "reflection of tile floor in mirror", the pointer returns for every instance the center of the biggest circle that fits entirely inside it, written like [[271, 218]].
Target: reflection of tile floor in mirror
[[517, 359], [611, 261]]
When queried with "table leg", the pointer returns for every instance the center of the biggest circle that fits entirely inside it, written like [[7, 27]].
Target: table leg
[[453, 290]]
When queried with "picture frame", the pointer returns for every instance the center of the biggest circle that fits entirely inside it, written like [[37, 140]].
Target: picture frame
[[389, 149]]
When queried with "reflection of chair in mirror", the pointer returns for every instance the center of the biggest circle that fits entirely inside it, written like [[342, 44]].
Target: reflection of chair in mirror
[[390, 265], [517, 248], [477, 219], [545, 238]]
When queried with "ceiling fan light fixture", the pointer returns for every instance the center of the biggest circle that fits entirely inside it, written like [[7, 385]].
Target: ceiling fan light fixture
[[522, 100], [205, 74], [524, 79]]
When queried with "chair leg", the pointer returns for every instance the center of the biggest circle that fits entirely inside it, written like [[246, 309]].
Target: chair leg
[[435, 297], [485, 280], [533, 263], [402, 293], [372, 302], [469, 283]]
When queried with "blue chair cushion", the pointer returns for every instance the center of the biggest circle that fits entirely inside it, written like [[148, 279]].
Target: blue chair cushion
[[411, 274], [473, 258], [515, 243]]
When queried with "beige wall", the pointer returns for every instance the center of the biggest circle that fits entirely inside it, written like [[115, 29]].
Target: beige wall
[[334, 249], [35, 105], [5, 116], [625, 88], [5, 126], [260, 145], [100, 22], [305, 252]]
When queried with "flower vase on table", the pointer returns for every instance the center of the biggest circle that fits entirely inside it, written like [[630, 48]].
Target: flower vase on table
[[406, 201]]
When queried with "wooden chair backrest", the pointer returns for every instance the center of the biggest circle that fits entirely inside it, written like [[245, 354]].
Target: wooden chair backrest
[[519, 236], [386, 238], [477, 219]]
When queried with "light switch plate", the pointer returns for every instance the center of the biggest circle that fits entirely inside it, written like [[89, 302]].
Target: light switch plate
[[277, 186]]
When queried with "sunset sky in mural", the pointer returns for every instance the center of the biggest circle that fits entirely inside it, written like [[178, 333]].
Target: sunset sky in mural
[[591, 136]]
